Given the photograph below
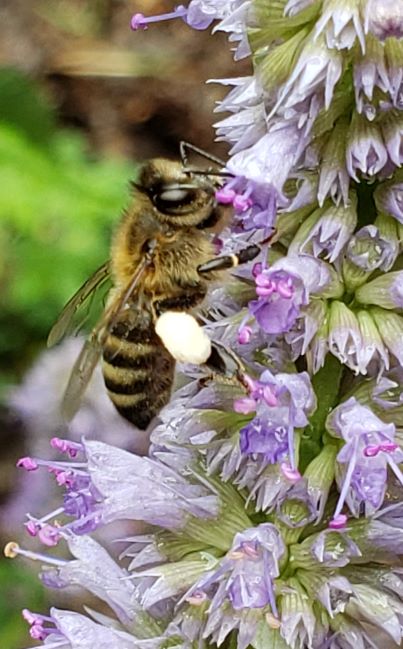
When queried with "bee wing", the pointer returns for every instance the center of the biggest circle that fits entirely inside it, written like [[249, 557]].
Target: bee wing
[[80, 377], [63, 323], [92, 348]]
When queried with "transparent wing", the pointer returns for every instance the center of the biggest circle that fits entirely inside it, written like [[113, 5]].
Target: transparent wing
[[64, 322], [92, 349]]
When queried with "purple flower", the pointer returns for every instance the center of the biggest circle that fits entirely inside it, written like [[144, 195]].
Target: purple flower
[[111, 484], [73, 630], [245, 575], [363, 461], [254, 204], [282, 403], [284, 142], [111, 584], [281, 294], [265, 437], [199, 14], [284, 288]]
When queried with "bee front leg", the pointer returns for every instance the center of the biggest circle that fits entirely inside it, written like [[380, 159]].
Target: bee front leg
[[230, 261]]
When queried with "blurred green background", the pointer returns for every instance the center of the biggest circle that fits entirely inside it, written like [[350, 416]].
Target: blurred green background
[[58, 204], [82, 101]]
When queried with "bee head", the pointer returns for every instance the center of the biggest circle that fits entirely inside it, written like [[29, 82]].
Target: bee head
[[179, 198]]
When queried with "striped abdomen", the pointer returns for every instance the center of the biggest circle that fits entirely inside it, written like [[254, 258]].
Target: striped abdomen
[[138, 371]]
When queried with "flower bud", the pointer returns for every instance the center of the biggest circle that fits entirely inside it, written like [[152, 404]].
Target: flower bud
[[327, 230]]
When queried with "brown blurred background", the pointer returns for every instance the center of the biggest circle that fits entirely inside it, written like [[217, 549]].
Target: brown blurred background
[[134, 94]]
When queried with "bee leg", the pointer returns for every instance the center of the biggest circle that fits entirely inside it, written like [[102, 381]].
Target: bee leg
[[230, 261], [225, 366]]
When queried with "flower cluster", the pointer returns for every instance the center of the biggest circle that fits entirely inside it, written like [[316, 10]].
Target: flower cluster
[[274, 496]]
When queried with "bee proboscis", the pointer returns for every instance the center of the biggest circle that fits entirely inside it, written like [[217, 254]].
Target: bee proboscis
[[162, 261]]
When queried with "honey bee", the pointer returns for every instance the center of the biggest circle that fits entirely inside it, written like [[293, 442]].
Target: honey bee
[[162, 262]]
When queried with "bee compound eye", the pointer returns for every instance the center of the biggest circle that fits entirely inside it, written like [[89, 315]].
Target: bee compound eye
[[175, 200], [173, 195]]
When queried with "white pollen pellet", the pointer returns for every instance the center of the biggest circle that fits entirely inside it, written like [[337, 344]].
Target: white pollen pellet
[[183, 337]]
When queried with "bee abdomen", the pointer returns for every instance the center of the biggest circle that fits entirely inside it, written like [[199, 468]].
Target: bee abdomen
[[138, 375]]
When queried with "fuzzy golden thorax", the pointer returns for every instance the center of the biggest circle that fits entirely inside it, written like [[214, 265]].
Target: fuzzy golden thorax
[[175, 210]]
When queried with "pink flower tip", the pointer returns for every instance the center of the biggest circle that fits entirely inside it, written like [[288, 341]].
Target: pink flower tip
[[27, 463], [269, 396], [49, 535], [292, 475], [257, 269], [250, 383], [338, 522], [64, 446], [244, 335], [29, 617], [138, 21], [245, 406], [225, 196], [242, 204], [32, 528], [37, 632], [372, 450], [264, 291], [197, 598]]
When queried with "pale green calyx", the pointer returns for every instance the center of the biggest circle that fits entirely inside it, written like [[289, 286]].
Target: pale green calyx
[[385, 291], [372, 348], [320, 475], [344, 335], [390, 327], [333, 179]]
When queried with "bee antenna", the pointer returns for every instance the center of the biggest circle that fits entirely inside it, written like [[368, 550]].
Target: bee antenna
[[186, 146], [208, 172]]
